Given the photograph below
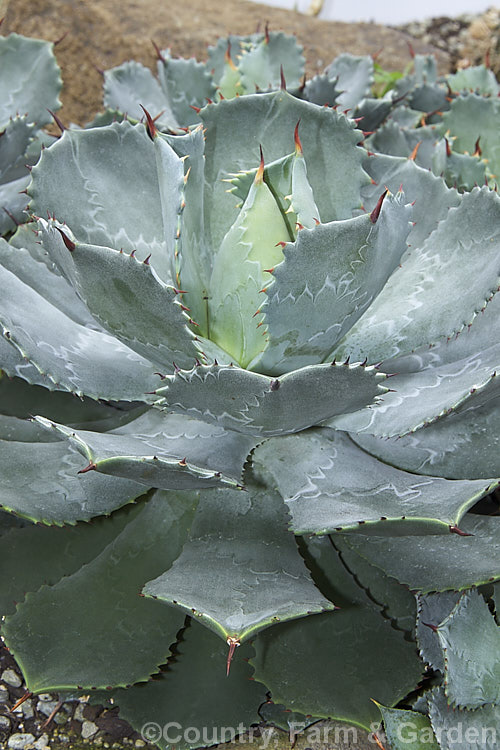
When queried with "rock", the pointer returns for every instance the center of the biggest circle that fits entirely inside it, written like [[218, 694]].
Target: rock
[[46, 707], [104, 33], [4, 694], [42, 742], [88, 729], [11, 678], [4, 723], [26, 709], [20, 741]]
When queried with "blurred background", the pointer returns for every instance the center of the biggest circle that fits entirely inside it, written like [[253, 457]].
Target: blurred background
[[391, 12]]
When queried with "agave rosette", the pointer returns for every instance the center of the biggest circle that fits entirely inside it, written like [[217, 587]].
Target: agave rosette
[[235, 320]]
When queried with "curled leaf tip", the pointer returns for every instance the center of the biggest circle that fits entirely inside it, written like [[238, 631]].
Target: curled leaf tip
[[150, 123], [69, 243], [455, 530], [91, 467], [376, 211]]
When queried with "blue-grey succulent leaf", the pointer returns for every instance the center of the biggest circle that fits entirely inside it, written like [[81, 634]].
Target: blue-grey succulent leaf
[[84, 181], [166, 451], [436, 562], [188, 85], [463, 730], [432, 197], [328, 139], [428, 394], [472, 120], [407, 730], [405, 314], [432, 610], [39, 479], [259, 405], [66, 354], [329, 276], [194, 256], [477, 78], [453, 447], [353, 76], [260, 67], [472, 665], [30, 80], [125, 295], [100, 602], [131, 84], [240, 571], [321, 90], [331, 485]]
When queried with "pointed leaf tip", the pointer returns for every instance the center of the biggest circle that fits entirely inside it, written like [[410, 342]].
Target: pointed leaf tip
[[90, 467], [233, 644], [298, 144], [57, 121], [259, 175], [414, 153], [282, 79], [460, 532]]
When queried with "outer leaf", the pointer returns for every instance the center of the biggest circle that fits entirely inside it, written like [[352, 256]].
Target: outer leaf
[[432, 610], [14, 141], [432, 563], [131, 84], [453, 447], [472, 117], [31, 79], [218, 706], [328, 139], [171, 452], [64, 354], [408, 730], [305, 663], [354, 77], [463, 730], [472, 664], [100, 602], [188, 84], [39, 481], [432, 198], [329, 277], [331, 485], [405, 314], [126, 296], [260, 67], [34, 555], [429, 394], [259, 405], [84, 181], [477, 78], [240, 570]]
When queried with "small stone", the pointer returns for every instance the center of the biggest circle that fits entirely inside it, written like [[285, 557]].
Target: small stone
[[46, 707], [60, 718], [20, 741], [44, 697], [89, 729], [42, 742], [4, 694], [27, 709], [11, 678], [4, 722], [78, 715], [140, 743]]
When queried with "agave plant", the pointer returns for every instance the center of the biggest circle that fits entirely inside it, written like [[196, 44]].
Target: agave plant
[[30, 82], [259, 333]]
